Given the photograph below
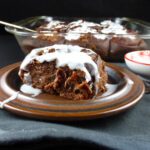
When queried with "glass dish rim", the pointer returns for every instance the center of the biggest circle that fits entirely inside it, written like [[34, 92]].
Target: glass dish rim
[[26, 33]]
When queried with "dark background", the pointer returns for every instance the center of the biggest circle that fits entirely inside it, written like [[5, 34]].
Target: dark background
[[14, 10]]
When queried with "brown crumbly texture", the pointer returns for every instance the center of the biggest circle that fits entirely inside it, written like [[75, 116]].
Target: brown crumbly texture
[[63, 81]]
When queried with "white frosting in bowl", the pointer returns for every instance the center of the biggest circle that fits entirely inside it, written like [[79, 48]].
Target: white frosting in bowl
[[139, 62], [142, 57]]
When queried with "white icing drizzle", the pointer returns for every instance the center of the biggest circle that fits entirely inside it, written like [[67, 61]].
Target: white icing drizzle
[[81, 26], [72, 36], [64, 55], [13, 97], [76, 28], [112, 27], [27, 77], [48, 19], [76, 36], [111, 88], [54, 24], [100, 36], [28, 89]]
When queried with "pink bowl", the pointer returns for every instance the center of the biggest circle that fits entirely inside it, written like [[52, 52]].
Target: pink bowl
[[139, 62]]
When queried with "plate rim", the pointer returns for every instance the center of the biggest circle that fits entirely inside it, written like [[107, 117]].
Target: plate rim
[[72, 117]]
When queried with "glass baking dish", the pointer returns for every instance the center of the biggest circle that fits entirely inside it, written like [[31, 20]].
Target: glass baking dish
[[111, 47]]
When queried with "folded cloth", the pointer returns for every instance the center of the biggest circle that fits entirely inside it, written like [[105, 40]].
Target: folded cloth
[[128, 130]]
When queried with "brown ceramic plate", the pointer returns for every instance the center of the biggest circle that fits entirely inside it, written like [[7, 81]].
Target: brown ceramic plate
[[124, 90]]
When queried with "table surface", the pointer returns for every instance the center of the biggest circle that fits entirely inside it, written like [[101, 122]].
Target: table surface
[[128, 130]]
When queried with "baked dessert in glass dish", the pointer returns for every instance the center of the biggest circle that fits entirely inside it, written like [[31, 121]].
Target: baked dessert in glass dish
[[69, 71], [111, 38]]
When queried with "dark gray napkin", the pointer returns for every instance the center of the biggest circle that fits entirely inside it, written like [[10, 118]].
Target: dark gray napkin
[[127, 131]]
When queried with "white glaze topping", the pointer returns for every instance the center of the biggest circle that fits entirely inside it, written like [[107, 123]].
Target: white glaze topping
[[111, 88], [72, 36], [48, 19], [11, 98], [100, 36], [76, 29], [64, 55], [28, 89], [54, 24], [112, 27], [27, 77], [81, 26]]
